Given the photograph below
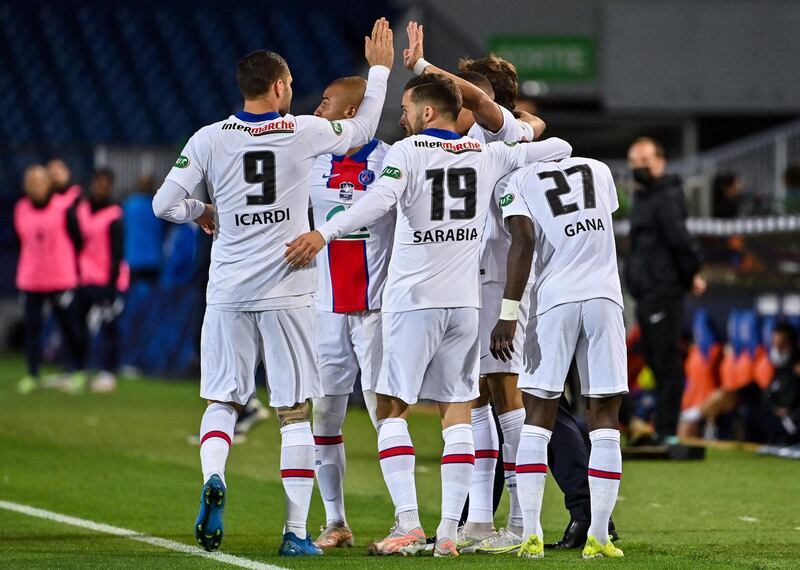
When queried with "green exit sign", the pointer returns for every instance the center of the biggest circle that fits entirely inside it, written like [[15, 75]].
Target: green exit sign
[[548, 58]]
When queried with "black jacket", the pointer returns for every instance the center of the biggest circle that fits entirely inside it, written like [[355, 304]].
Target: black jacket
[[663, 257]]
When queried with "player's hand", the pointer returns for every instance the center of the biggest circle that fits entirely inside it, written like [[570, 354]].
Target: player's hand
[[300, 251], [206, 220], [699, 285], [379, 49], [414, 52], [502, 340]]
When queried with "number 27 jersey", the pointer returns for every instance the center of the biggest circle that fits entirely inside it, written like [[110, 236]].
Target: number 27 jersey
[[256, 170]]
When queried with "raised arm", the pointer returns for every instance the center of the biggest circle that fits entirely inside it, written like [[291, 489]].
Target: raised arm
[[379, 51], [487, 113]]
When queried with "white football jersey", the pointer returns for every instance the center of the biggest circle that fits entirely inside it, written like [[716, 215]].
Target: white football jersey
[[352, 269], [256, 170], [441, 184], [495, 242], [512, 130], [570, 203]]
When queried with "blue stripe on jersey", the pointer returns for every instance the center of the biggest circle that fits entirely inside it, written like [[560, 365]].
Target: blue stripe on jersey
[[256, 117], [361, 156], [441, 134]]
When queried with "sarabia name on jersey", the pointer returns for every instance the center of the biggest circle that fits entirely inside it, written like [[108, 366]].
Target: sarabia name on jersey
[[436, 236]]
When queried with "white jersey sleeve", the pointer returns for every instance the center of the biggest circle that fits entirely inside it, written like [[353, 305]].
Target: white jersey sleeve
[[336, 137], [189, 171], [570, 203], [513, 130]]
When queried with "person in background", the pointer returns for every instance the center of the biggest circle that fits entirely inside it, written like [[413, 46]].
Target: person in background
[[662, 265], [727, 191], [144, 234], [46, 271], [62, 186], [782, 396], [104, 275]]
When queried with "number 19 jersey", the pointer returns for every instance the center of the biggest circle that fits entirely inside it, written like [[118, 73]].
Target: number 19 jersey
[[256, 170], [570, 203]]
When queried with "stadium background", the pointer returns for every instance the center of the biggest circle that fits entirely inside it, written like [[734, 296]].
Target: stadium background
[[123, 86]]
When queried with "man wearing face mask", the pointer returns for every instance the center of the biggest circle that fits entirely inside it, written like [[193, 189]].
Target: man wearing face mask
[[782, 396], [662, 265]]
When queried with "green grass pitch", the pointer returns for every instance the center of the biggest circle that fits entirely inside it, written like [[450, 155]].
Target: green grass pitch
[[122, 459]]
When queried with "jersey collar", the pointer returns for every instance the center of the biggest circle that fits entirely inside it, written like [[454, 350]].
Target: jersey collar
[[441, 134], [360, 156], [256, 117]]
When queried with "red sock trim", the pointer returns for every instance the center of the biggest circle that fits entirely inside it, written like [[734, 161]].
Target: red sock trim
[[328, 439], [219, 434], [532, 468], [395, 451], [604, 474], [510, 466], [305, 473], [486, 454], [458, 458]]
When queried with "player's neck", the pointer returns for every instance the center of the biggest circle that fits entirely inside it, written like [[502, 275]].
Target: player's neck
[[260, 106], [442, 124], [353, 150]]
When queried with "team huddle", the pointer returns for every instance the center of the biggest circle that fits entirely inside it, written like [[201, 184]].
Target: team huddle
[[468, 264]]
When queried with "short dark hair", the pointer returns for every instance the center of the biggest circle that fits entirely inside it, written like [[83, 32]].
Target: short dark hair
[[660, 152], [786, 329], [501, 74], [438, 91], [104, 173], [478, 80], [258, 70]]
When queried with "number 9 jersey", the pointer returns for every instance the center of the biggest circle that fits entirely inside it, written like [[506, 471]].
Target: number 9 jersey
[[256, 170]]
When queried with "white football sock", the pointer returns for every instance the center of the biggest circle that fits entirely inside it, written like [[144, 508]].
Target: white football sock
[[216, 435], [531, 475], [511, 425], [371, 403], [484, 433], [297, 474], [396, 454], [329, 413], [605, 472], [458, 463]]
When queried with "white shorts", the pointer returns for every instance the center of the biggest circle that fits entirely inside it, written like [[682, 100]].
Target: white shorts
[[593, 332], [491, 299], [234, 342], [345, 343], [430, 354]]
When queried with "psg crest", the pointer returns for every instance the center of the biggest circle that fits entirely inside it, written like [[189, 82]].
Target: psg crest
[[366, 177]]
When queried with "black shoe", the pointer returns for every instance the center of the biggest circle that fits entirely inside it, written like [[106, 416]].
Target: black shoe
[[575, 535]]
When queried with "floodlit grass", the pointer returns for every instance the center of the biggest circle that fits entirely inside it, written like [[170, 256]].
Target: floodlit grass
[[123, 459]]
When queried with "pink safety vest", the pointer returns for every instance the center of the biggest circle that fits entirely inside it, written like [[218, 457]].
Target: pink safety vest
[[47, 254], [94, 260], [69, 195]]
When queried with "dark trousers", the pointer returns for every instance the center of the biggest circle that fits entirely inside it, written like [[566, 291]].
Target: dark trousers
[[568, 458], [60, 304], [109, 305], [660, 321]]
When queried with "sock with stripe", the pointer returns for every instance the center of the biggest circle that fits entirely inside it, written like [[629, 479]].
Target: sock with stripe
[[458, 463], [297, 474], [605, 472], [480, 519], [511, 425], [329, 413], [396, 454], [531, 475], [216, 435]]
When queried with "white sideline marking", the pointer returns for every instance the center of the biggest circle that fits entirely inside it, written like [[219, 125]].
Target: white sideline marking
[[748, 519], [138, 537]]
